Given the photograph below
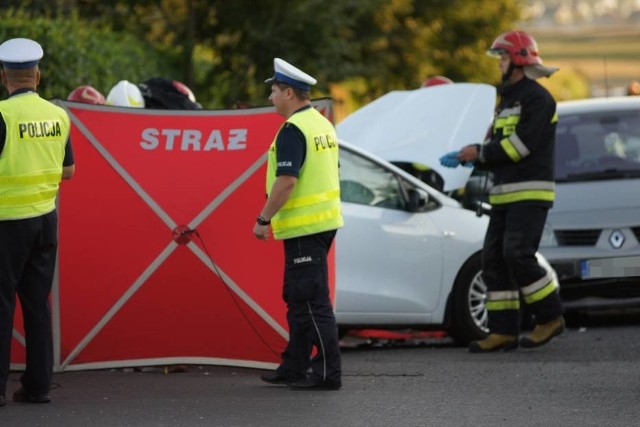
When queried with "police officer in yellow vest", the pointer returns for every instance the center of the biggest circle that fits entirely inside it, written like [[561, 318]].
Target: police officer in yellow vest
[[35, 154], [303, 209]]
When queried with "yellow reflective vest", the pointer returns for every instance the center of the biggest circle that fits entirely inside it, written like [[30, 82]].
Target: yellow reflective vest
[[314, 203], [31, 161]]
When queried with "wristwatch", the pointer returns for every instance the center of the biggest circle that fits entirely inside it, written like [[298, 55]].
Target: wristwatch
[[261, 221]]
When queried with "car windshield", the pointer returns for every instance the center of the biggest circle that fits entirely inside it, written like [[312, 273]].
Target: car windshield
[[598, 146]]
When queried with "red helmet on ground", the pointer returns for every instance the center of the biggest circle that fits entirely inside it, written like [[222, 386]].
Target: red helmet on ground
[[436, 80], [88, 95], [521, 47]]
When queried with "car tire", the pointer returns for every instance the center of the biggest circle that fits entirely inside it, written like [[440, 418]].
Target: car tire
[[469, 311]]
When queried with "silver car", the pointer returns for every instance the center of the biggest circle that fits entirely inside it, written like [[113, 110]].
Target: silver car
[[593, 231]]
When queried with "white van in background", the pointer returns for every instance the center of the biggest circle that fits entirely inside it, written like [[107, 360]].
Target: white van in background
[[593, 231]]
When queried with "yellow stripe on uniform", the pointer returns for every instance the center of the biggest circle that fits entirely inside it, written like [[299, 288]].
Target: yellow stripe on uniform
[[47, 178], [503, 300], [543, 195], [539, 289], [303, 220], [510, 150], [311, 199], [503, 305], [26, 199]]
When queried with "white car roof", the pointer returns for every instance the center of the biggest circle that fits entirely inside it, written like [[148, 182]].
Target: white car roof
[[615, 103]]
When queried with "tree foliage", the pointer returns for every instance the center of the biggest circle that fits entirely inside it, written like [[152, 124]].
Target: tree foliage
[[224, 49], [78, 53]]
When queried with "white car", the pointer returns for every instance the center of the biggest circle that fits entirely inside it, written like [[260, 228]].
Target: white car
[[409, 256], [593, 230]]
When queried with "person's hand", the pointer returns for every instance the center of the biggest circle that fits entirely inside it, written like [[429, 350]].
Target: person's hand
[[468, 154], [261, 231], [450, 160]]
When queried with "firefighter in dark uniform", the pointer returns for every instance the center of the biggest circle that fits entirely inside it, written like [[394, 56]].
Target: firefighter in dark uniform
[[35, 154], [303, 209], [519, 152]]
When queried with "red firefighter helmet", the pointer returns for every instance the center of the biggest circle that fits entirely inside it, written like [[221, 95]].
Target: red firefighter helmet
[[87, 94], [436, 80], [184, 89], [521, 47]]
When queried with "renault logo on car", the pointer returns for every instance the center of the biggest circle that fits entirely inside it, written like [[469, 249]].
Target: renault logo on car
[[616, 239]]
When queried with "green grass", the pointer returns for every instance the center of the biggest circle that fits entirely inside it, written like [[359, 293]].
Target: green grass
[[610, 54], [618, 43]]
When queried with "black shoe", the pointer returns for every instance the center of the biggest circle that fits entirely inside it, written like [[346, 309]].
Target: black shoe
[[277, 379], [312, 384], [3, 401], [21, 396]]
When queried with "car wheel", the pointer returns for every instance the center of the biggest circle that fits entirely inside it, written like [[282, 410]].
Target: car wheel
[[470, 318]]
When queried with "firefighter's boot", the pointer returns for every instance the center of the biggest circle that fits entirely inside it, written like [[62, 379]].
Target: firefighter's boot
[[542, 334], [494, 342]]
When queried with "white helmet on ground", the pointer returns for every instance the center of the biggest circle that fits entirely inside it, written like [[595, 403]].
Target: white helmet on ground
[[125, 94]]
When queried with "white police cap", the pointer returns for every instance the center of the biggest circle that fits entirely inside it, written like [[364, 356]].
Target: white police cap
[[290, 75], [20, 53]]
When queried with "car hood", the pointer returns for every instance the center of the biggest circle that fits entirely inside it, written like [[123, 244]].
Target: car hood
[[596, 204], [423, 124]]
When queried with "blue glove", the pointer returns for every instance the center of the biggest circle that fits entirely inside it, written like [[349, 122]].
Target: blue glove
[[468, 165], [450, 160]]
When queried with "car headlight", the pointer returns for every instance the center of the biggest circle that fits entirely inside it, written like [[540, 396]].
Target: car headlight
[[548, 237]]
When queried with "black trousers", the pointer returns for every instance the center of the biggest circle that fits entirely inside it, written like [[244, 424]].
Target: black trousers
[[27, 263], [310, 315], [510, 264]]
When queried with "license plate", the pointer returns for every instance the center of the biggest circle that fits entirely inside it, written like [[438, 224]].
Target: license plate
[[610, 267]]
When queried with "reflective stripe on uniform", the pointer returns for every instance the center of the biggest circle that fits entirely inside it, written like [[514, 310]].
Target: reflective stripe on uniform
[[519, 191], [304, 220], [27, 199], [507, 115], [514, 147], [503, 300], [546, 196], [46, 178], [311, 199], [539, 289]]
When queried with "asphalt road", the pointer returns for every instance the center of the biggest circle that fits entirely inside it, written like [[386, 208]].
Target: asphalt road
[[589, 376]]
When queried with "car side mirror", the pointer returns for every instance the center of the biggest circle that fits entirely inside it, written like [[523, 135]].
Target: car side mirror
[[482, 208], [476, 191], [416, 201]]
